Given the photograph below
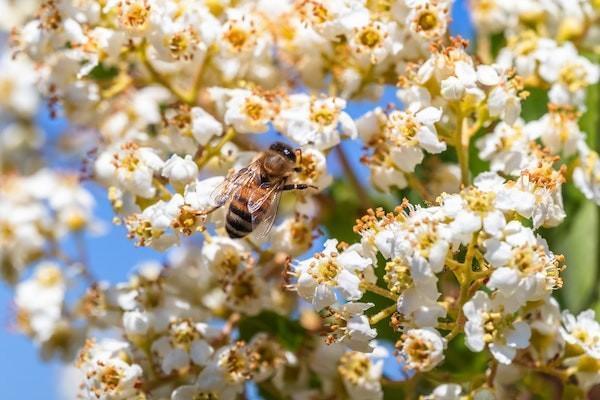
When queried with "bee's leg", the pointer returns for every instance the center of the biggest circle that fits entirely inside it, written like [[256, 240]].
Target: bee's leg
[[298, 186], [208, 210]]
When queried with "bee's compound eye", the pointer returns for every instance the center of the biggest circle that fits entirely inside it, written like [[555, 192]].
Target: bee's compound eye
[[284, 150]]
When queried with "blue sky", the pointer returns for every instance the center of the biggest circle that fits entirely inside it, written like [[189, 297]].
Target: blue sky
[[22, 374]]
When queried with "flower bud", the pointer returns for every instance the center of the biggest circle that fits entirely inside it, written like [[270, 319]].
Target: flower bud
[[180, 170], [452, 88], [204, 126], [135, 323]]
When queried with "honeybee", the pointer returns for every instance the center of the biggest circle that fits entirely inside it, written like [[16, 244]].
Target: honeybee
[[253, 192]]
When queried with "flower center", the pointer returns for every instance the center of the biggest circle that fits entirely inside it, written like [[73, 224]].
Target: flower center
[[136, 15], [354, 367], [229, 262], [130, 162], [237, 37], [397, 276], [478, 201], [427, 21], [49, 276], [573, 76], [111, 378], [323, 116], [326, 271], [254, 109], [235, 364], [369, 37], [243, 287], [493, 323]]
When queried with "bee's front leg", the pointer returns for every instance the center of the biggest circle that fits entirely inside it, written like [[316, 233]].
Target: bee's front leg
[[208, 210], [297, 186]]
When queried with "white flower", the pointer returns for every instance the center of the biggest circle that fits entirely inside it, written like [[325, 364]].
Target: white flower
[[418, 303], [427, 19], [183, 344], [313, 171], [483, 205], [131, 167], [508, 148], [421, 349], [17, 79], [39, 301], [545, 322], [582, 331], [488, 326], [224, 256], [154, 226], [107, 375], [198, 193], [321, 275], [445, 391], [373, 42], [269, 355], [413, 129], [246, 291], [293, 236], [582, 334], [135, 322], [569, 73], [422, 239], [248, 112], [544, 182], [452, 88], [180, 170], [525, 270], [558, 131], [351, 327], [204, 126], [399, 140], [384, 178], [504, 104], [586, 175], [315, 122], [226, 372], [361, 374]]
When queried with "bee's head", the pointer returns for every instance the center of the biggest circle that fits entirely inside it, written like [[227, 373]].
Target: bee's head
[[284, 150]]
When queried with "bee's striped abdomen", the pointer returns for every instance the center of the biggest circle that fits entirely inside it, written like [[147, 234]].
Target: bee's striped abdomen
[[240, 221]]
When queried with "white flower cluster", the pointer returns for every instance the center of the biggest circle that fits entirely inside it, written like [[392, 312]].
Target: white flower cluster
[[440, 96], [171, 98], [36, 212], [546, 43], [421, 243]]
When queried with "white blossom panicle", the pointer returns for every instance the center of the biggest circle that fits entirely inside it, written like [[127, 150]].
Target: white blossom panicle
[[170, 110]]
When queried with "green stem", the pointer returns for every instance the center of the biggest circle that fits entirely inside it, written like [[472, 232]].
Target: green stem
[[159, 78], [416, 184], [371, 287], [461, 141], [211, 151], [381, 315]]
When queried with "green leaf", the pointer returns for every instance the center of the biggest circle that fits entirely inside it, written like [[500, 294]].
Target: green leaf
[[460, 362], [536, 104], [498, 42], [102, 72], [289, 332], [590, 121], [344, 211], [579, 245]]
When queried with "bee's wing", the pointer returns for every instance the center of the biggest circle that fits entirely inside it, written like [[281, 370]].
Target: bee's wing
[[264, 225], [232, 184]]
